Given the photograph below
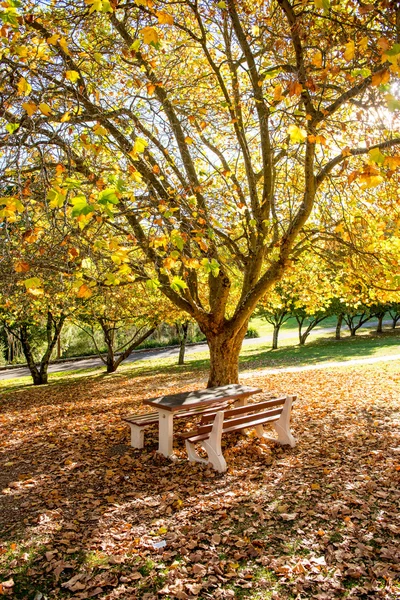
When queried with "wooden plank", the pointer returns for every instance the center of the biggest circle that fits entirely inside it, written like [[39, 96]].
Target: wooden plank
[[256, 406], [200, 398], [141, 419]]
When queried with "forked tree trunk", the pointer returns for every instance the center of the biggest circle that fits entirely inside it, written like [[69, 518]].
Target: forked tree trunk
[[53, 330], [224, 356]]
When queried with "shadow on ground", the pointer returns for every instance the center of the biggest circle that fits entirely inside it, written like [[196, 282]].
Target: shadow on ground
[[84, 515]]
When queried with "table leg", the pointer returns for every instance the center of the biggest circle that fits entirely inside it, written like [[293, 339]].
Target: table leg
[[241, 402], [165, 432]]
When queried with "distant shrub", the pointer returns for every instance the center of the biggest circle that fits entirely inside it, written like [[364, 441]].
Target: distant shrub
[[252, 333]]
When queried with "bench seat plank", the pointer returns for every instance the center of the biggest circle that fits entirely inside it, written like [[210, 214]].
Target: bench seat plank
[[258, 406]]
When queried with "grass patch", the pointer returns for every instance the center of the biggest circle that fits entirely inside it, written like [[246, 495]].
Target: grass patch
[[366, 344]]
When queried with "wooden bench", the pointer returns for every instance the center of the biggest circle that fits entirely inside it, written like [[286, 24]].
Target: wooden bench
[[216, 423]]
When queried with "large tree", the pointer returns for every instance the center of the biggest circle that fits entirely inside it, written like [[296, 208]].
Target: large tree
[[207, 135]]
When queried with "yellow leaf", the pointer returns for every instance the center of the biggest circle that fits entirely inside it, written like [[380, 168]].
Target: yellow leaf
[[136, 176], [371, 181], [99, 129], [297, 135], [317, 59], [150, 36], [63, 45], [139, 145], [22, 51], [348, 54], [53, 39], [363, 43], [188, 140], [45, 109], [66, 117], [30, 108], [24, 89], [72, 76], [278, 93], [164, 18], [84, 291], [315, 486]]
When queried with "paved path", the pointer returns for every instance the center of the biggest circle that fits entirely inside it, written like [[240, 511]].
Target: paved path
[[92, 363]]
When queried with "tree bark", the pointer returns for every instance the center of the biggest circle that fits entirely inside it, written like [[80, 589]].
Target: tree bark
[[183, 340], [40, 375], [275, 337], [224, 356], [379, 328], [339, 326]]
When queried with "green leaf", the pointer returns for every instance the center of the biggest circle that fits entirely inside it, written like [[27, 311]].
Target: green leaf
[[392, 103], [152, 285], [11, 127], [177, 284], [376, 156], [177, 239], [108, 196], [80, 206], [394, 51], [211, 267], [111, 279], [325, 4]]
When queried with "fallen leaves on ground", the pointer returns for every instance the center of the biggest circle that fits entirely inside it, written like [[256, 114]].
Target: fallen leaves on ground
[[84, 515]]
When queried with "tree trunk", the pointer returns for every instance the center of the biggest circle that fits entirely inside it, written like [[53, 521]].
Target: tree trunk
[[59, 347], [111, 366], [224, 356], [39, 376], [339, 326], [379, 329], [303, 337], [275, 337], [182, 347], [353, 331]]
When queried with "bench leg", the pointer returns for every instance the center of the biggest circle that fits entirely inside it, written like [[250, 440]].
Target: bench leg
[[165, 432], [137, 436], [259, 429], [213, 445], [192, 454], [282, 425]]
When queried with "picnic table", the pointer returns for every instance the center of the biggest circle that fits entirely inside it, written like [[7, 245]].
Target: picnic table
[[194, 402]]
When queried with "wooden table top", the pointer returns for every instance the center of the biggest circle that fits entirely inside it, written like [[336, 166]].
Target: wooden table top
[[199, 398]]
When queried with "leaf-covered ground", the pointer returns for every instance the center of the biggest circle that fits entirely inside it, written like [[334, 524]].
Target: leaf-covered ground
[[83, 515]]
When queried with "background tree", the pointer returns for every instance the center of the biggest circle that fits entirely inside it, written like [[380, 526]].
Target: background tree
[[127, 315], [209, 136]]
